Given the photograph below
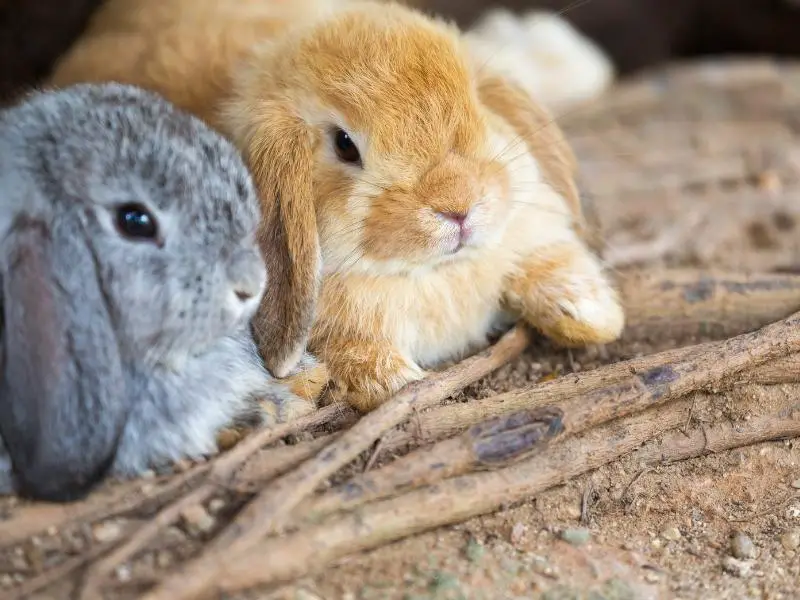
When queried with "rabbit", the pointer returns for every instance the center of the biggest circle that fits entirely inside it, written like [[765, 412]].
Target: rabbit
[[130, 271], [414, 200]]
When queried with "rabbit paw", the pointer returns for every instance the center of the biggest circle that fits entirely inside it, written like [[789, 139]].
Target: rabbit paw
[[308, 380], [565, 294], [366, 376], [589, 314]]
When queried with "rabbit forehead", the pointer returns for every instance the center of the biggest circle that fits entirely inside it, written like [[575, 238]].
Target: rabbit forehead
[[395, 76], [106, 144]]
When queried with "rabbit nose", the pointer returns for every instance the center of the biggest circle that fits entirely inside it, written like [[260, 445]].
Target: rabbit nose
[[456, 217], [460, 219]]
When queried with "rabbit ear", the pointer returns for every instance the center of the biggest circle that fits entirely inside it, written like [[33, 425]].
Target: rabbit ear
[[62, 406], [280, 157], [539, 129]]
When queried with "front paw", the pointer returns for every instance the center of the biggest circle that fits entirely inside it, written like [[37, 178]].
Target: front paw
[[564, 292], [589, 312], [368, 386]]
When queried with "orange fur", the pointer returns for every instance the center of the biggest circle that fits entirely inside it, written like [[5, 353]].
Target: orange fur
[[372, 250]]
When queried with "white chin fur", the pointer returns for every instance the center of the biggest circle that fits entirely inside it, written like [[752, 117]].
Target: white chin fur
[[544, 54]]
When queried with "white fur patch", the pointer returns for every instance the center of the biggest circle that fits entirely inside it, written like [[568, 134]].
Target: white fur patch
[[544, 54]]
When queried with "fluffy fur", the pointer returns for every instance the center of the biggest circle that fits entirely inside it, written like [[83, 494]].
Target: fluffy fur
[[544, 54], [120, 354], [461, 212]]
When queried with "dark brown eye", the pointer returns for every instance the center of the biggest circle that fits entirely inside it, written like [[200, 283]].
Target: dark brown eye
[[134, 221], [346, 149]]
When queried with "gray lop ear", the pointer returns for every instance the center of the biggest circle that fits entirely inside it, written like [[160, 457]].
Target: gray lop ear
[[62, 393]]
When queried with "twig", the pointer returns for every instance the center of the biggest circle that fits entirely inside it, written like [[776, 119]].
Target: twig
[[57, 573], [766, 511], [266, 513], [638, 476], [715, 438], [488, 444], [702, 367], [586, 503], [282, 559], [271, 463], [677, 304], [220, 475], [374, 455], [120, 499], [446, 421], [277, 560]]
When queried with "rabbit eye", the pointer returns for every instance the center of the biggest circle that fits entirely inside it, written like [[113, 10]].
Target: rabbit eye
[[346, 149], [135, 221]]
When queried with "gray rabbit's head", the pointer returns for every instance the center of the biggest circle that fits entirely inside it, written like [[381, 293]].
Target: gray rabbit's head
[[165, 205], [127, 235]]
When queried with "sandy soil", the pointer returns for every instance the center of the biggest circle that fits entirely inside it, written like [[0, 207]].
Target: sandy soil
[[696, 167]]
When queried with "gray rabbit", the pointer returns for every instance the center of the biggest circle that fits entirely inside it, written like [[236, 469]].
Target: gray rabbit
[[130, 270]]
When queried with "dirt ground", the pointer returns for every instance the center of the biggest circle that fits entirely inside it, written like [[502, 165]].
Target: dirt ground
[[695, 166]]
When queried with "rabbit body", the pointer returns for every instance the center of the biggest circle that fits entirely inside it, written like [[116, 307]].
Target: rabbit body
[[130, 273], [414, 199]]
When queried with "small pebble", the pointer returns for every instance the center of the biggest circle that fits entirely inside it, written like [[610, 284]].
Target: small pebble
[[652, 578], [576, 536], [19, 563], [671, 534], [791, 539], [742, 546], [107, 531], [517, 533], [197, 520], [737, 568], [6, 581], [216, 506], [474, 550], [123, 573], [796, 484], [542, 567]]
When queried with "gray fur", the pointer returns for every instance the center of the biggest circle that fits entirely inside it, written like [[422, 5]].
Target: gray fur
[[155, 347]]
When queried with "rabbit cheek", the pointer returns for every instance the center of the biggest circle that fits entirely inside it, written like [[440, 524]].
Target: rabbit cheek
[[395, 229]]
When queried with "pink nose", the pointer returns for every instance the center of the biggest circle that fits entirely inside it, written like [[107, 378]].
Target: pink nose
[[457, 218]]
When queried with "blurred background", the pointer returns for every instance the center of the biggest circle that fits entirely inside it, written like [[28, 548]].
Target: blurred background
[[634, 34], [641, 33]]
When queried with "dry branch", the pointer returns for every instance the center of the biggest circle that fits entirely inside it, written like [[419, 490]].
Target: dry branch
[[716, 438], [274, 462], [221, 473], [281, 559], [701, 367], [266, 513], [443, 422], [676, 304], [120, 498]]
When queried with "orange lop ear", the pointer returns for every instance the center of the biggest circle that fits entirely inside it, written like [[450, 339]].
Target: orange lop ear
[[544, 138], [277, 146]]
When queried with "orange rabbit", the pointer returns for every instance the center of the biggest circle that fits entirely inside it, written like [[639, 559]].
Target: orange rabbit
[[414, 200]]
